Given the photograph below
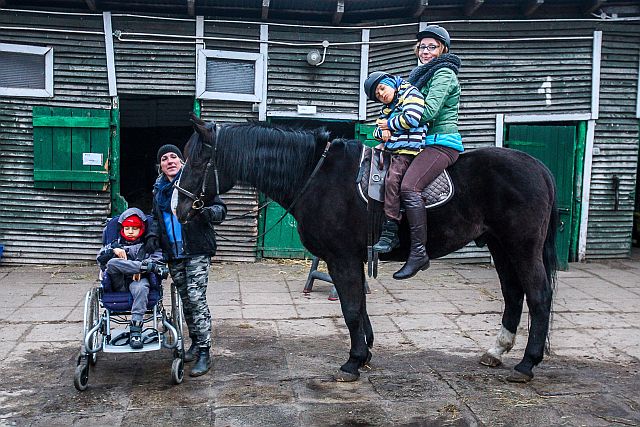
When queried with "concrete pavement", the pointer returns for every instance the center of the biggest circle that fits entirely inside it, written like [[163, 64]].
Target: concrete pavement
[[440, 322]]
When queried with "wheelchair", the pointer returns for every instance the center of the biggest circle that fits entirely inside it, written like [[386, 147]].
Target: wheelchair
[[107, 317]]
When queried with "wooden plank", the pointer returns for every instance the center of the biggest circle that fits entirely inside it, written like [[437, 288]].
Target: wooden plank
[[471, 6], [531, 6], [339, 12], [71, 122], [80, 143], [70, 175]]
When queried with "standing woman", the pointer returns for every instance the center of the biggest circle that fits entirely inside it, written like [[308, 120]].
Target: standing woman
[[189, 248], [437, 79]]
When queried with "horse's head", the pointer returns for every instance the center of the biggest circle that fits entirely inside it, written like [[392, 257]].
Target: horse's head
[[201, 178]]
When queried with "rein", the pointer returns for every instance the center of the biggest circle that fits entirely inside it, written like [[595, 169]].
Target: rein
[[198, 200], [293, 203]]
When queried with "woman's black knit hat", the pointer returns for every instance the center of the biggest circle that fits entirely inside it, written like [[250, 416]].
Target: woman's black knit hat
[[168, 148]]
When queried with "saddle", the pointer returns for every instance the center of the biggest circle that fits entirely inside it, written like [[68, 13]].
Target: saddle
[[371, 175]]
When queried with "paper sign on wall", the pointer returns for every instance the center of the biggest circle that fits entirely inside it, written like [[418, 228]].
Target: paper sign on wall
[[92, 159]]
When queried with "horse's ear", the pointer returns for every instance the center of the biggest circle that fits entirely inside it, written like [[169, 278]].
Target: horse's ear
[[195, 119], [199, 126]]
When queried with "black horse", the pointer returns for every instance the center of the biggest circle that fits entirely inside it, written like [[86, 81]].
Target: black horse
[[504, 199]]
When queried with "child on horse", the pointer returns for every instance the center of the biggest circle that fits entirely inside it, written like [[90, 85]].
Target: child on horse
[[398, 127], [127, 264]]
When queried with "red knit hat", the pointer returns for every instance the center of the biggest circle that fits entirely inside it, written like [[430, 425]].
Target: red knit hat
[[132, 221]]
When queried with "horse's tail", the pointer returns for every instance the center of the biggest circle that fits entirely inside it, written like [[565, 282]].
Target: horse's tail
[[550, 257]]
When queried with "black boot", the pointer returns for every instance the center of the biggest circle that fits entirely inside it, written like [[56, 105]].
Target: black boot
[[388, 238], [417, 217], [191, 354], [203, 364]]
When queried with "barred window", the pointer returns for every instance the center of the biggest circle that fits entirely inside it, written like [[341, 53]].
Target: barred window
[[27, 71], [235, 76]]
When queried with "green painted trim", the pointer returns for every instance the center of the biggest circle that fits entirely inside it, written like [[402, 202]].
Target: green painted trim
[[71, 122], [364, 133], [196, 107], [581, 143], [118, 203], [68, 175]]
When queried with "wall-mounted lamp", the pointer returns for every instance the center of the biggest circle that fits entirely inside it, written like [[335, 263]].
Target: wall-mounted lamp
[[314, 58]]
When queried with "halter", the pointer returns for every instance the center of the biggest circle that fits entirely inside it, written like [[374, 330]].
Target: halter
[[198, 201]]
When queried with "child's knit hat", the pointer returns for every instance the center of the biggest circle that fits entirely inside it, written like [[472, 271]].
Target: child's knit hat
[[133, 220]]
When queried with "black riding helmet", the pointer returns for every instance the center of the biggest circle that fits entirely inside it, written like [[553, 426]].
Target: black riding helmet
[[371, 83], [435, 32]]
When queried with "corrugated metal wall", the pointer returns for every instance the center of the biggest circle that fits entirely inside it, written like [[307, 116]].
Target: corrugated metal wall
[[332, 87], [152, 65], [616, 138], [497, 77], [48, 226]]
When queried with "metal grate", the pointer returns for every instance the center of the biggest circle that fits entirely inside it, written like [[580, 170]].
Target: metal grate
[[231, 76], [22, 70]]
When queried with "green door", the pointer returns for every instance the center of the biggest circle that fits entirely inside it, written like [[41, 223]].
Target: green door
[[555, 146], [282, 240]]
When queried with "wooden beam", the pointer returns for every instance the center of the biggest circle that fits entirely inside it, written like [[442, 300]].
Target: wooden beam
[[592, 5], [471, 6], [421, 5], [265, 8], [91, 4], [191, 7], [337, 16], [531, 6]]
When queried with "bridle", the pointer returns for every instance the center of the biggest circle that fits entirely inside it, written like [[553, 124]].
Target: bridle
[[198, 200]]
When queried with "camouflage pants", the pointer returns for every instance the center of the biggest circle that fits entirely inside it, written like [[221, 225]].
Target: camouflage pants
[[191, 277]]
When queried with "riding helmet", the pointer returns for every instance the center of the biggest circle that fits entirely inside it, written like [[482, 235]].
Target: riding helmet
[[372, 82], [436, 32]]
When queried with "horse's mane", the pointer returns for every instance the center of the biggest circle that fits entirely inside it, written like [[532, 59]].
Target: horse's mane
[[274, 158]]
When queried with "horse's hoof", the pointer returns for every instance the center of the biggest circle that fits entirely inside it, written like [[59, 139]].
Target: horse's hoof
[[490, 361], [345, 377], [519, 377]]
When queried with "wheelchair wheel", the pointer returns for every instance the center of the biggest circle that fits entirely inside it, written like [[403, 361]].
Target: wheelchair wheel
[[81, 377], [91, 318], [176, 321], [177, 371]]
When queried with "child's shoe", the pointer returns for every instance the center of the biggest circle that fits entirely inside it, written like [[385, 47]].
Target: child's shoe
[[135, 335]]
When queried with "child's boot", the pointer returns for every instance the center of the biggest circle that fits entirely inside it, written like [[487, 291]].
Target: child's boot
[[389, 237], [135, 335]]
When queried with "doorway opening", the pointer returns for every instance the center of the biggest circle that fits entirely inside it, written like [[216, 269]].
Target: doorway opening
[[146, 124]]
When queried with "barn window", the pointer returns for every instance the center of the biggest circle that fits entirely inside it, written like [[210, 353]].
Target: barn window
[[232, 76], [26, 71]]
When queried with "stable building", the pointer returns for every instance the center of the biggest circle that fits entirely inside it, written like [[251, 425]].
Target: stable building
[[89, 89]]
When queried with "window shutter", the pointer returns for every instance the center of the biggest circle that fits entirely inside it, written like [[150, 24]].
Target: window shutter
[[228, 75], [67, 143], [22, 70]]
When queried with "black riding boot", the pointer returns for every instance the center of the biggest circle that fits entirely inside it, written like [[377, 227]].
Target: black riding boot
[[203, 364], [417, 217], [191, 354], [389, 237]]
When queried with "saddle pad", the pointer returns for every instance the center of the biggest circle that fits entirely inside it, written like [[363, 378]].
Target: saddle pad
[[437, 193]]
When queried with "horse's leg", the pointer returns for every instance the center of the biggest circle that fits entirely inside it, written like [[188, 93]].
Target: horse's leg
[[348, 278], [513, 295], [539, 295]]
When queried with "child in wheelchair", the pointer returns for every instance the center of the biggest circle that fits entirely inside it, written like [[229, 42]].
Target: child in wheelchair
[[127, 264]]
